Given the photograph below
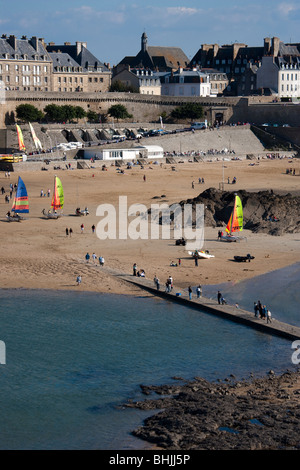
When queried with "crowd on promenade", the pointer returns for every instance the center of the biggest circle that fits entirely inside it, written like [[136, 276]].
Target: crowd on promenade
[[199, 153]]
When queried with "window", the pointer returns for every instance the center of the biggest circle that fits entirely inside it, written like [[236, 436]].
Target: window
[[287, 76], [282, 76]]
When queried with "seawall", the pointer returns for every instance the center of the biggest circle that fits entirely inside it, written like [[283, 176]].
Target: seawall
[[228, 312]]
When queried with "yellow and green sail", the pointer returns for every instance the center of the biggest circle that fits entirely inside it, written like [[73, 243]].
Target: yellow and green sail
[[58, 195], [235, 222]]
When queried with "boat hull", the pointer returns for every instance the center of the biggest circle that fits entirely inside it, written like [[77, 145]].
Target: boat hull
[[201, 254], [12, 218]]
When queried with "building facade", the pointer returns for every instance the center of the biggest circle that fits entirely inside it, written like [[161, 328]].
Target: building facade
[[75, 68], [25, 64], [144, 81], [185, 83], [31, 65]]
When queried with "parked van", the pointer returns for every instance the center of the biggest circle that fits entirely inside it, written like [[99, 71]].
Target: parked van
[[198, 125]]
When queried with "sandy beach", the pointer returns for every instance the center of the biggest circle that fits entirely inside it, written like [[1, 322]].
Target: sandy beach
[[36, 253]]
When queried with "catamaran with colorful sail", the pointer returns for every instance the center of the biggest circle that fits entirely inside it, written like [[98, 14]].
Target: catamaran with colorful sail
[[20, 203], [35, 139], [235, 223], [57, 203], [20, 139]]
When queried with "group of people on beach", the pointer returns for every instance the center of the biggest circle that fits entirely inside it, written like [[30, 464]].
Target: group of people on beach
[[87, 259], [261, 311], [94, 257]]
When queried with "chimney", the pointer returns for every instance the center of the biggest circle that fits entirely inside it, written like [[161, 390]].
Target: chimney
[[216, 49], [79, 46], [12, 40], [35, 43], [67, 44], [267, 46], [275, 47]]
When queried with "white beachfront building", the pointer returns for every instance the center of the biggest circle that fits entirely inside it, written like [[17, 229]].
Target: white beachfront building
[[185, 83], [280, 76], [149, 152]]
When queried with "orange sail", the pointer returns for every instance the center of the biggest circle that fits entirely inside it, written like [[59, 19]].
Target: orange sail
[[20, 138], [235, 222]]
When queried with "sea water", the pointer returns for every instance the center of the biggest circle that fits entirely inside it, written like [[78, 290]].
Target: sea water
[[73, 359]]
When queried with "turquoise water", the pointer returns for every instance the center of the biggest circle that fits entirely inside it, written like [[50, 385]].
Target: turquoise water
[[72, 359], [279, 290]]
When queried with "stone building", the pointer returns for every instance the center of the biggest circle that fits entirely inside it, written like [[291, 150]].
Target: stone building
[[75, 68], [156, 58], [254, 70], [31, 65], [280, 71], [25, 64], [144, 81]]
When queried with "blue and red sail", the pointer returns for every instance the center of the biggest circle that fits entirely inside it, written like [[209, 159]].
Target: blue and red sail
[[20, 204]]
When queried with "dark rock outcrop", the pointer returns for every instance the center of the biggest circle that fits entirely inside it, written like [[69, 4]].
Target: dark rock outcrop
[[261, 414], [257, 209]]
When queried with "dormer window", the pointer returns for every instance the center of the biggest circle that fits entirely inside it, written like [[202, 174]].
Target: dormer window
[[25, 57]]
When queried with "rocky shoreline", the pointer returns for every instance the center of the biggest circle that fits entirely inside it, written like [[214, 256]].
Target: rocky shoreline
[[258, 414]]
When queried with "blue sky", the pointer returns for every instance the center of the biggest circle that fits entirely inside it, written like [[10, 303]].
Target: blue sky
[[113, 28]]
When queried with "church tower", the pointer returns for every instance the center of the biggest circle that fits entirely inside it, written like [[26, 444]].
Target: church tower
[[144, 42]]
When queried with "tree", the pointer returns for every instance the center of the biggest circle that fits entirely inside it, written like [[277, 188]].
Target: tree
[[68, 112], [119, 111], [188, 111], [28, 112], [79, 112], [53, 113], [92, 116], [118, 86]]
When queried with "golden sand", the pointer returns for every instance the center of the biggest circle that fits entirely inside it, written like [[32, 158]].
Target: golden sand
[[36, 253]]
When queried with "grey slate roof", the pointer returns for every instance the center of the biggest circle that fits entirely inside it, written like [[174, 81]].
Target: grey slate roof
[[84, 59], [61, 59], [23, 47]]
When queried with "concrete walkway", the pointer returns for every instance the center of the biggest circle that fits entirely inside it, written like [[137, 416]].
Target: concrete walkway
[[210, 306]]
